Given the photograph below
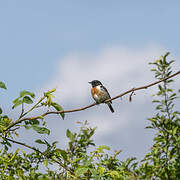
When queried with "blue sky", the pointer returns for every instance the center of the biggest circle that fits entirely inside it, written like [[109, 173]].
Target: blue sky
[[34, 34], [46, 43]]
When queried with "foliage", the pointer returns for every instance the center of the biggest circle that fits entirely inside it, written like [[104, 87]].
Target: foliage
[[82, 159], [163, 162]]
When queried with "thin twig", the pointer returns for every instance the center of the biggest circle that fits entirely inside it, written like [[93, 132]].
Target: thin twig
[[130, 96], [89, 106], [37, 150], [23, 144]]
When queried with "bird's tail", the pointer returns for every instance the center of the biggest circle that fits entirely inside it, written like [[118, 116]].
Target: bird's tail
[[110, 107]]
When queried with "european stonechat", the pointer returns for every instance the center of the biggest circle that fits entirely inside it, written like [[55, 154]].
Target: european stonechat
[[100, 93]]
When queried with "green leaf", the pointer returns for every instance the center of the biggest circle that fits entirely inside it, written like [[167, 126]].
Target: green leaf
[[81, 170], [27, 127], [62, 153], [54, 143], [27, 100], [24, 93], [148, 127], [41, 130], [58, 108], [114, 174], [77, 159], [104, 147], [2, 85], [153, 69], [70, 135], [160, 87], [0, 111], [49, 99], [16, 152], [39, 141], [16, 100], [164, 57], [17, 103], [45, 162], [101, 170], [34, 122], [156, 101], [49, 92]]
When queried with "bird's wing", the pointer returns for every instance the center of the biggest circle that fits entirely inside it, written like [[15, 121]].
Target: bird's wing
[[104, 89]]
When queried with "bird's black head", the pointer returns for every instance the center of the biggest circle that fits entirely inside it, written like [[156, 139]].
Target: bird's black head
[[95, 83]]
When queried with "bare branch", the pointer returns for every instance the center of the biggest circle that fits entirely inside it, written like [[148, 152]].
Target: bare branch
[[89, 106]]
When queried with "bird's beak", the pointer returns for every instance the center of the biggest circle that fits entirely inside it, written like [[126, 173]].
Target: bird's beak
[[90, 82]]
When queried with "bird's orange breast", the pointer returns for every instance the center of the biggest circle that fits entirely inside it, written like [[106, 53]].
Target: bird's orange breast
[[95, 91]]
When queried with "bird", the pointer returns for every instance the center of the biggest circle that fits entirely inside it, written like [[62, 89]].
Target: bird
[[100, 94]]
